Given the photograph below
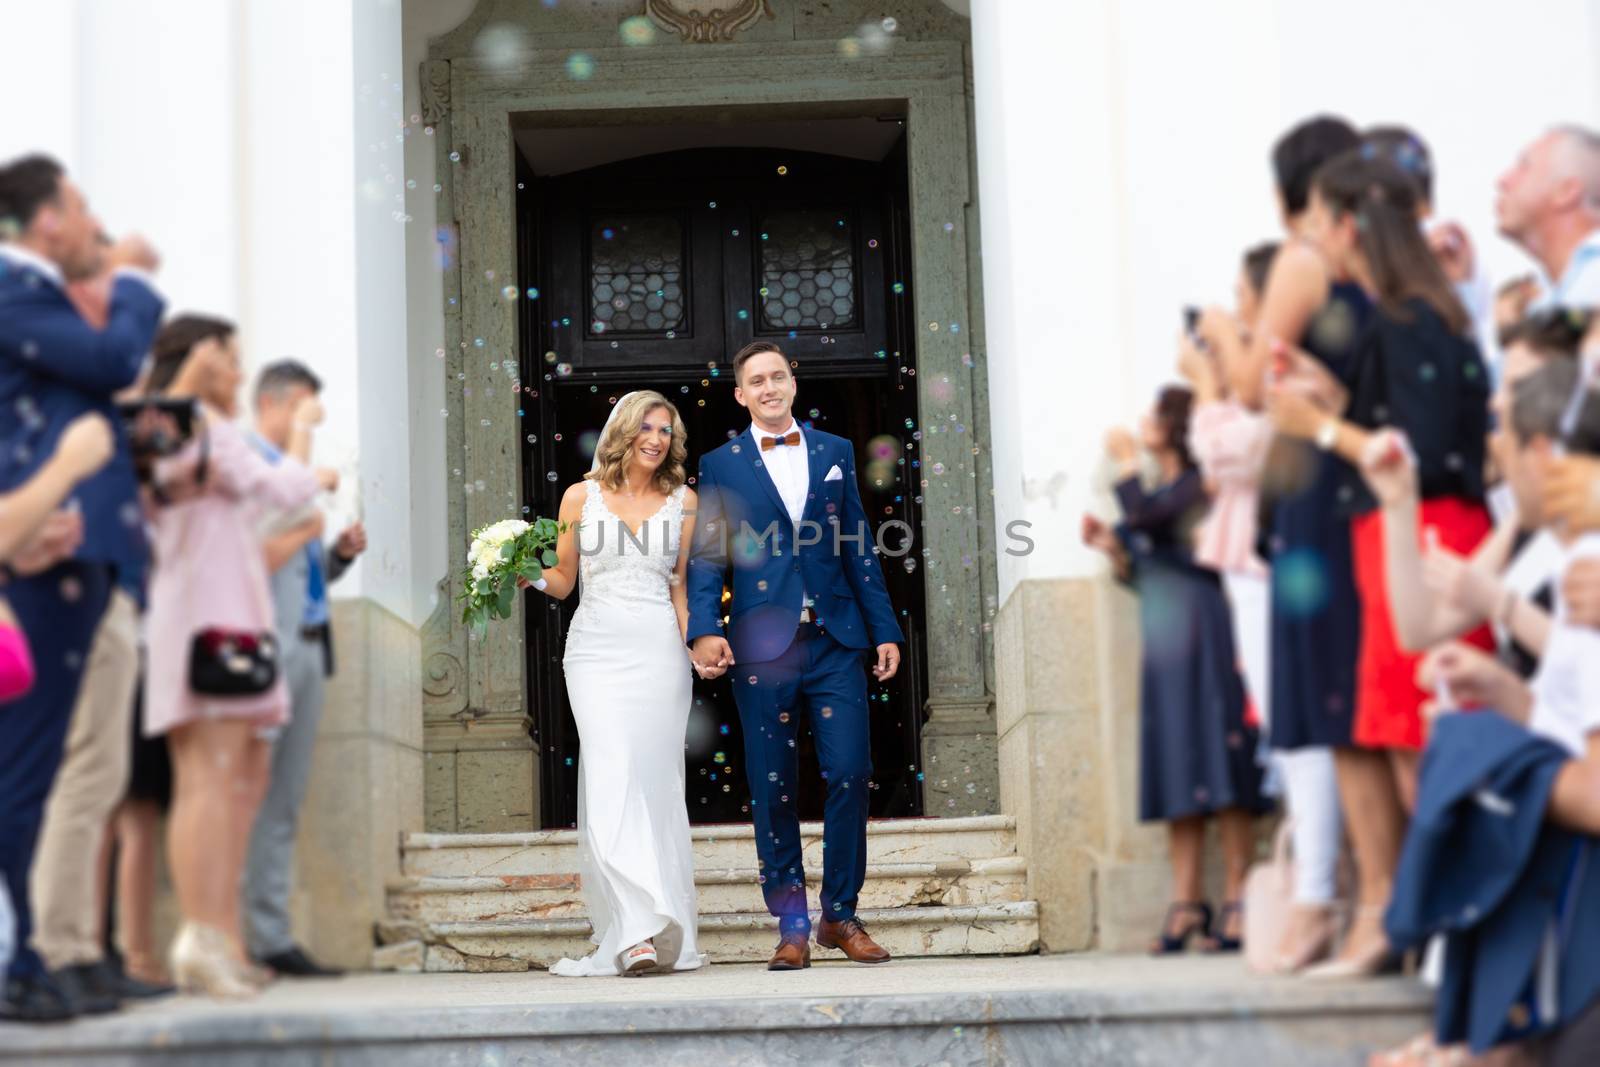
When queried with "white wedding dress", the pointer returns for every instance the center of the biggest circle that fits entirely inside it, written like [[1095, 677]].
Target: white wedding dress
[[629, 683]]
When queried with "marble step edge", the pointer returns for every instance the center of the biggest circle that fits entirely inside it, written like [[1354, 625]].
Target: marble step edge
[[997, 866], [1026, 911], [421, 841]]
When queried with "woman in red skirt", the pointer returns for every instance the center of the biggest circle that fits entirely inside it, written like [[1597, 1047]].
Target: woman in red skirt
[[1418, 370]]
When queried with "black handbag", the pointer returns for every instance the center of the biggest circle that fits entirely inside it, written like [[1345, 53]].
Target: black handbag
[[232, 663]]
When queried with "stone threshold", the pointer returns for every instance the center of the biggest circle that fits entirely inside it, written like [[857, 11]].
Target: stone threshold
[[716, 832], [1085, 1009], [935, 915]]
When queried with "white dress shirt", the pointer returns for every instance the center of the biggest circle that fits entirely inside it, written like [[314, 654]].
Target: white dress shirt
[[788, 467], [27, 257], [1565, 708]]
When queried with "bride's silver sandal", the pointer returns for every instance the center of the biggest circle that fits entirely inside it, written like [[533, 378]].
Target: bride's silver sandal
[[639, 960]]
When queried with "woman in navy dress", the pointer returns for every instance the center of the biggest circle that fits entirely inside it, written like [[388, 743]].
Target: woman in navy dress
[[1196, 747]]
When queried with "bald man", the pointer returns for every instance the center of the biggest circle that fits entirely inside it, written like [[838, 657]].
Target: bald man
[[1549, 203]]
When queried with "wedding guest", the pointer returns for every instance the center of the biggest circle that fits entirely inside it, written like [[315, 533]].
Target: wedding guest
[[136, 832], [1230, 444], [1314, 614], [1549, 203], [1449, 240], [1196, 751], [210, 579], [55, 366], [302, 568], [1556, 704]]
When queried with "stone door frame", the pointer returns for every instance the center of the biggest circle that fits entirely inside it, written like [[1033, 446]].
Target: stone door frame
[[475, 716]]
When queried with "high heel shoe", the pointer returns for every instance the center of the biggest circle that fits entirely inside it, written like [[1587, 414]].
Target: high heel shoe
[[1378, 958], [202, 962], [1168, 944], [639, 959], [1216, 940]]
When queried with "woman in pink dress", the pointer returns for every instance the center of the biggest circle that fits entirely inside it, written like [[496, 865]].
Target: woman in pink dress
[[210, 571]]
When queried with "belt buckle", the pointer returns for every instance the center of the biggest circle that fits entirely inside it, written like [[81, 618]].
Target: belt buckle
[[805, 615]]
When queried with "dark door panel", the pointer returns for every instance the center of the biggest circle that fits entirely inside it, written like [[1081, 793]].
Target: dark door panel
[[652, 273]]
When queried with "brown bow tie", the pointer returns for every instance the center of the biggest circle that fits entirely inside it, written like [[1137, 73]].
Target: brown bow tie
[[791, 438]]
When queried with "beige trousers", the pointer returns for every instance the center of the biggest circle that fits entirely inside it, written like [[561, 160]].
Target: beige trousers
[[65, 880]]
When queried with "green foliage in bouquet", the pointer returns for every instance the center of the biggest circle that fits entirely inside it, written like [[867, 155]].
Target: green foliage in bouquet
[[500, 554]]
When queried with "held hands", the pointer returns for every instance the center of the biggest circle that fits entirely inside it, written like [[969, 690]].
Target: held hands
[[711, 656], [888, 661]]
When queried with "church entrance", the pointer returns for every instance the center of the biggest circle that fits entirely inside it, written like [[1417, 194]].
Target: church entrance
[[650, 272]]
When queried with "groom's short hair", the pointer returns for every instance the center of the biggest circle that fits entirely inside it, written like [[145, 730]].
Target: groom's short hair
[[749, 352]]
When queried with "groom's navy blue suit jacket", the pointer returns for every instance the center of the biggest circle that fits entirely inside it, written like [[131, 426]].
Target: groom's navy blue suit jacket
[[742, 529]]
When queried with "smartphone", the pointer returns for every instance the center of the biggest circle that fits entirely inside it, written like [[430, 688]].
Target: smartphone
[[1191, 320], [171, 432]]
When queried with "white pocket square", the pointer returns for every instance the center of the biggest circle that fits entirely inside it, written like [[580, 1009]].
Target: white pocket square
[[834, 474]]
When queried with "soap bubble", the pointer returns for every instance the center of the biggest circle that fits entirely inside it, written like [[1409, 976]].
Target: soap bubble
[[637, 31], [580, 66]]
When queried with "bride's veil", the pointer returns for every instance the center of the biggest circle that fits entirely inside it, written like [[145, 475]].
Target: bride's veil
[[594, 464]]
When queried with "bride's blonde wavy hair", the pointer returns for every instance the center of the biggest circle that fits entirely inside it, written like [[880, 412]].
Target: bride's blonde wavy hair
[[612, 451]]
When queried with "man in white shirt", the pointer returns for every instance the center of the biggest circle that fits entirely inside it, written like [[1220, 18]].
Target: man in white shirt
[[1549, 203]]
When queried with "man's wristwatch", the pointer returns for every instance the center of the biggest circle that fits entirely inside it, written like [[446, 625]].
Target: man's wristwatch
[[1328, 435]]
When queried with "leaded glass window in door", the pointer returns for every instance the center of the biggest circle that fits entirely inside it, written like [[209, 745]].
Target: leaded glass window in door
[[636, 278], [808, 269]]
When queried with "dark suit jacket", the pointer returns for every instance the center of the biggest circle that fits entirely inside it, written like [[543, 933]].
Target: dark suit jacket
[[743, 530], [54, 367], [1518, 898]]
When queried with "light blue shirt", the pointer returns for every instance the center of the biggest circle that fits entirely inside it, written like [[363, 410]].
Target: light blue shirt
[[1579, 284]]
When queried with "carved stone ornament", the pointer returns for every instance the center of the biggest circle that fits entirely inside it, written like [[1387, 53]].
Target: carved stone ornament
[[435, 90], [706, 21]]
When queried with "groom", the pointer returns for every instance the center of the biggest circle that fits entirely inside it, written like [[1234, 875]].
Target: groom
[[780, 519]]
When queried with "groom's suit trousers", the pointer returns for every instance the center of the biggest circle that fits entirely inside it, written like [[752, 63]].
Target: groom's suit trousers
[[817, 680]]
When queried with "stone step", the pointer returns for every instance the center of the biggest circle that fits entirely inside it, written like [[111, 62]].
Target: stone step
[[987, 930], [488, 898], [1197, 1011], [545, 852]]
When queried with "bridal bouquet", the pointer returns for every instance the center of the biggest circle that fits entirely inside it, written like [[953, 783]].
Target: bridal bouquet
[[501, 553]]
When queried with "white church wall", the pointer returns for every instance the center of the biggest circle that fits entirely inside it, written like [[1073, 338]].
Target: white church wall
[[1123, 154], [259, 145]]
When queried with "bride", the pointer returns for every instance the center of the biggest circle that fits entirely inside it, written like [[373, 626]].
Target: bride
[[628, 680]]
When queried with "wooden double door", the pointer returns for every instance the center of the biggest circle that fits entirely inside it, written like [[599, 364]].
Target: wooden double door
[[651, 273]]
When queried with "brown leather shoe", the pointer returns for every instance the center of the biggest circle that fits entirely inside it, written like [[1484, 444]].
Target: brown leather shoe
[[850, 937], [794, 953]]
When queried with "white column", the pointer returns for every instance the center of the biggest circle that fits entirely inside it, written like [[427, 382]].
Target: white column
[[1049, 197]]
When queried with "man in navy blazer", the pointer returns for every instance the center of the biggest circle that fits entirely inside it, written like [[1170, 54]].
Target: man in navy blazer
[[55, 367], [780, 521]]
